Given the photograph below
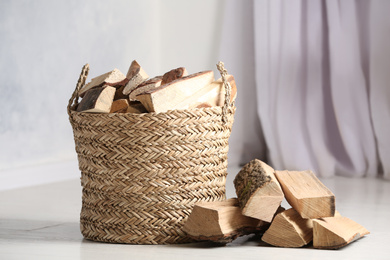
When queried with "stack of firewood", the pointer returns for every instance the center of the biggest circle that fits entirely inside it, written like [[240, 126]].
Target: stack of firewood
[[135, 92], [260, 191]]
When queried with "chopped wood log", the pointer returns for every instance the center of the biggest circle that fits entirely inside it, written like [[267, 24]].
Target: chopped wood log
[[289, 229], [259, 193], [336, 232], [97, 100], [174, 75], [136, 76], [168, 96], [306, 194], [211, 95], [136, 107], [118, 84], [120, 106], [220, 221], [109, 78], [145, 86]]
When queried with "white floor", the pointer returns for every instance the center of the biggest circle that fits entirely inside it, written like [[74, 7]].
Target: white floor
[[42, 222]]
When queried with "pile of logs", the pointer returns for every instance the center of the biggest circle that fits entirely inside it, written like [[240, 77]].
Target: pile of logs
[[135, 92], [260, 191]]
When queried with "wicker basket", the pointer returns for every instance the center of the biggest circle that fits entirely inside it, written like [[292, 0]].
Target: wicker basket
[[142, 173]]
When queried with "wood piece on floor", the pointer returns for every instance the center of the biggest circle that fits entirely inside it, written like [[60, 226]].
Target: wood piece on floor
[[168, 96], [136, 76], [258, 191], [289, 229], [336, 232], [97, 100], [307, 194], [109, 78], [220, 221]]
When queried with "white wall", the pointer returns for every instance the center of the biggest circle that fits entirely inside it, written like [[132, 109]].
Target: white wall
[[44, 44]]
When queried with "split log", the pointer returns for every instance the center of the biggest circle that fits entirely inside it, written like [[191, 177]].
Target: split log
[[220, 221], [259, 193], [336, 232], [289, 229], [211, 95], [120, 106], [97, 100], [109, 78], [168, 96], [136, 76], [174, 74], [306, 194], [145, 86]]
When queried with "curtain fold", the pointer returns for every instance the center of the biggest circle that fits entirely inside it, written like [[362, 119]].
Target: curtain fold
[[322, 71]]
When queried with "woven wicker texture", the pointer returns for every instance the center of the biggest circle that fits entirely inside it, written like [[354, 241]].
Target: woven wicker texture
[[142, 173]]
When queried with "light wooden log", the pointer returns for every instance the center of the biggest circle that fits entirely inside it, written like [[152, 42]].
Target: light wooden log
[[289, 229], [168, 96], [336, 232], [174, 74], [110, 78], [97, 100], [307, 194], [136, 76], [220, 221], [211, 95], [145, 86], [258, 191], [118, 84], [120, 106]]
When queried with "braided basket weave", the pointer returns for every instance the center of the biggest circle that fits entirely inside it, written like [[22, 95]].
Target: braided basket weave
[[142, 173]]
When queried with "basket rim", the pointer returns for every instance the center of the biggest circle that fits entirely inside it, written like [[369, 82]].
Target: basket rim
[[215, 109], [223, 110]]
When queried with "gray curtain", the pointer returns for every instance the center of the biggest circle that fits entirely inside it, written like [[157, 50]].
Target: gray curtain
[[318, 73]]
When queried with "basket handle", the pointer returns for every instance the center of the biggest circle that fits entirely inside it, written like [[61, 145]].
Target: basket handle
[[228, 89], [74, 100]]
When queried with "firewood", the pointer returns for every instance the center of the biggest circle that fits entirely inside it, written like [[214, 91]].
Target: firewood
[[174, 74], [97, 100], [259, 193], [118, 84], [109, 78], [145, 86], [136, 107], [136, 76], [289, 229], [306, 194], [220, 221], [336, 232], [168, 96], [120, 106], [211, 95]]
